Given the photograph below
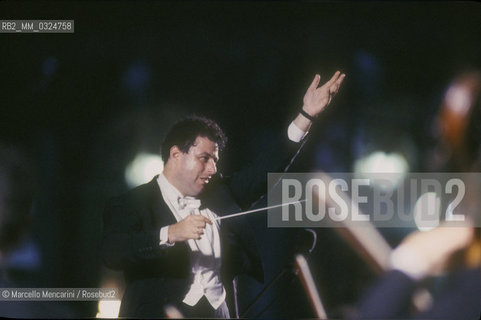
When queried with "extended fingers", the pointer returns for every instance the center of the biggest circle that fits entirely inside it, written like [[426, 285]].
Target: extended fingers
[[333, 79], [334, 87], [315, 82], [340, 80]]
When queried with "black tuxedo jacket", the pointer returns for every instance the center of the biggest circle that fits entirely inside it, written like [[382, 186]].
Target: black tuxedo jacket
[[156, 276]]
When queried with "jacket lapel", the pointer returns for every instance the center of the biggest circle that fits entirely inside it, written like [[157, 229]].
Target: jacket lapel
[[162, 215]]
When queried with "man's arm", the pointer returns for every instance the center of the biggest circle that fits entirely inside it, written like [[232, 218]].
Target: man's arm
[[250, 183], [130, 238]]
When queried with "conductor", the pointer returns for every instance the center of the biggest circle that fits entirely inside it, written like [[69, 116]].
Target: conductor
[[164, 234]]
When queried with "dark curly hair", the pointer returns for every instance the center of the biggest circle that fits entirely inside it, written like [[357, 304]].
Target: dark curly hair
[[184, 132]]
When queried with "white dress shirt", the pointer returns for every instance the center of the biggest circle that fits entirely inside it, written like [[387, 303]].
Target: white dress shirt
[[205, 253]]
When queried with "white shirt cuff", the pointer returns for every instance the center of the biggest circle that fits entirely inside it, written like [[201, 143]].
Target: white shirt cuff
[[164, 237], [410, 262], [294, 133]]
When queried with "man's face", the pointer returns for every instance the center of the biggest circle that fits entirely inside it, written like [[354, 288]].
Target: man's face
[[196, 167]]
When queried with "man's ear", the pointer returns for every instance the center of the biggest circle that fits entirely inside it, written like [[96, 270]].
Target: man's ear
[[175, 152]]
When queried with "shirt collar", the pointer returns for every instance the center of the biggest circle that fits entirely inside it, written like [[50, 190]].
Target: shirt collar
[[170, 192]]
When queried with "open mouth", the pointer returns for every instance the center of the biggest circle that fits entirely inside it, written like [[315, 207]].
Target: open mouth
[[205, 180]]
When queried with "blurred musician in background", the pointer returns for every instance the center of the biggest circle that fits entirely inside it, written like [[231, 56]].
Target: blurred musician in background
[[455, 250]]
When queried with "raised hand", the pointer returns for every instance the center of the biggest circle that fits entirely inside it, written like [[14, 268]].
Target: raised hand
[[317, 98], [192, 227]]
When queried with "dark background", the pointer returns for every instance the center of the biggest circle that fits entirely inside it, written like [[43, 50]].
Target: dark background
[[84, 104]]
